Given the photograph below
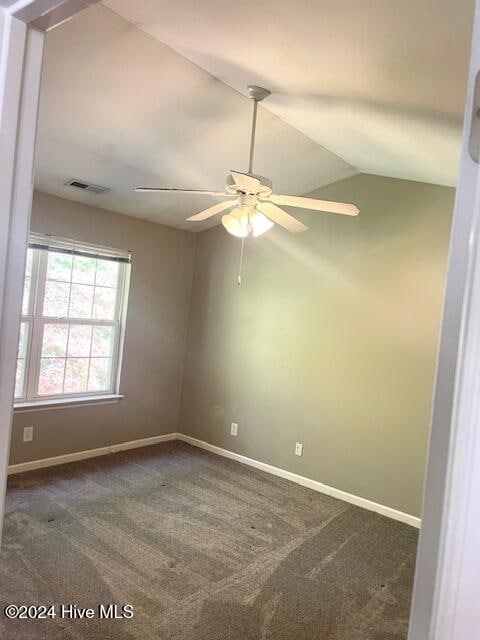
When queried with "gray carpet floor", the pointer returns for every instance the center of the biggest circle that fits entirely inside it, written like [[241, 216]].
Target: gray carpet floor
[[203, 548]]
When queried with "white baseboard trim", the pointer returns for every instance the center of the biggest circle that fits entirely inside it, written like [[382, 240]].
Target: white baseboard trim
[[306, 482], [89, 453], [263, 466], [143, 442]]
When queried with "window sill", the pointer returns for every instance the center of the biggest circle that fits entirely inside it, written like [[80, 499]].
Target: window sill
[[65, 403]]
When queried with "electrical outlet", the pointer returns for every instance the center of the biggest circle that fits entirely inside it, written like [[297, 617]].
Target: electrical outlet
[[234, 429], [298, 449], [27, 434]]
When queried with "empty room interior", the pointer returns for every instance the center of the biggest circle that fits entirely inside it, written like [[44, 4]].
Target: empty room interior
[[231, 311]]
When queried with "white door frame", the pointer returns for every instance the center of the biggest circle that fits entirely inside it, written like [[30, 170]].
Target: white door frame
[[446, 595], [447, 580]]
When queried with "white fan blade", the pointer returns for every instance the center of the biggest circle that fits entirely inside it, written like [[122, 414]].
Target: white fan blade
[[344, 208], [281, 217], [195, 192], [211, 211], [245, 182]]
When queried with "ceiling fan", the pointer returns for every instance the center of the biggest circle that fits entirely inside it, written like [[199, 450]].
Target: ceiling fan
[[254, 206]]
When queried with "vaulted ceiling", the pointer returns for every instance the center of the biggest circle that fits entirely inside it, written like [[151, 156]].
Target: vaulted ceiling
[[379, 82], [152, 93], [120, 109]]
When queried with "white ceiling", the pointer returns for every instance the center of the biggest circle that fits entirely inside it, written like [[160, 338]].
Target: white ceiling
[[120, 109], [379, 82]]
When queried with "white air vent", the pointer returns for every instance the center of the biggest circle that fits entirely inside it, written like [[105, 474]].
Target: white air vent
[[86, 186]]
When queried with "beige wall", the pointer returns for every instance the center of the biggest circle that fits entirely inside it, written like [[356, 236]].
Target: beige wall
[[154, 341], [330, 340]]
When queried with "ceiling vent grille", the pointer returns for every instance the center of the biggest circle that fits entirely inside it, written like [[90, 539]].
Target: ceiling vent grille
[[86, 186]]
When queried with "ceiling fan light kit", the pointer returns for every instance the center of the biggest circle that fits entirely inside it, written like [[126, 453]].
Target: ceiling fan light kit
[[254, 205], [236, 223], [241, 223]]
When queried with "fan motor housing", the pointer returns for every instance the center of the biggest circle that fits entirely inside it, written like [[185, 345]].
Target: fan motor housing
[[264, 189]]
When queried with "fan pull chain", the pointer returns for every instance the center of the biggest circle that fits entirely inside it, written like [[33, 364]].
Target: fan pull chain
[[239, 278]]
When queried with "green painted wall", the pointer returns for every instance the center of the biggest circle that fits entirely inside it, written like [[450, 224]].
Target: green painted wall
[[331, 340]]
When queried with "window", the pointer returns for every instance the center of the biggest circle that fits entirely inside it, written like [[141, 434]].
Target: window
[[74, 303]]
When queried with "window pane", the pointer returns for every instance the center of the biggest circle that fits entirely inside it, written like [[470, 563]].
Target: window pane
[[79, 340], [76, 374], [74, 358], [102, 344], [28, 267], [107, 273], [22, 343], [26, 295], [56, 299], [20, 378], [54, 341], [59, 266], [81, 298], [98, 377], [51, 376], [104, 303], [83, 270]]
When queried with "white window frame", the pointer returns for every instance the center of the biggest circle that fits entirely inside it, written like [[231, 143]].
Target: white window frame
[[36, 322]]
